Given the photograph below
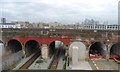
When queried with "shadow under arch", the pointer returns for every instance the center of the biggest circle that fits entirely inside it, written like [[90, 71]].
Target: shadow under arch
[[54, 46], [98, 48], [115, 49], [14, 46], [31, 47]]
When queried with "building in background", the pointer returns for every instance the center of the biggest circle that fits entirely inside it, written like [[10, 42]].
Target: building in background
[[24, 24], [90, 22], [100, 27], [4, 24], [3, 20]]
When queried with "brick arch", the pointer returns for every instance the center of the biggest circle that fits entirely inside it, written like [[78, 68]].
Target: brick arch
[[63, 41], [14, 45], [1, 41], [32, 40], [31, 46], [111, 44], [13, 39], [52, 49], [43, 40], [115, 46], [55, 40], [100, 50], [25, 39]]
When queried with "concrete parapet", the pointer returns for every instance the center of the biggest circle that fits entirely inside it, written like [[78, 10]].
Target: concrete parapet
[[44, 51]]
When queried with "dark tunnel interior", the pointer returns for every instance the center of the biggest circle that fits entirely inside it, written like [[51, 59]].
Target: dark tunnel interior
[[31, 46], [115, 50], [53, 49], [97, 48], [14, 46]]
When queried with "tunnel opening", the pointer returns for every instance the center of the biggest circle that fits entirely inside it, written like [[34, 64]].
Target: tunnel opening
[[55, 46], [31, 47], [14, 46], [115, 51], [97, 49]]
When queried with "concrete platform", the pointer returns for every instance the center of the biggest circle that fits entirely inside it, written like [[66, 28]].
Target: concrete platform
[[106, 65], [60, 64], [82, 65]]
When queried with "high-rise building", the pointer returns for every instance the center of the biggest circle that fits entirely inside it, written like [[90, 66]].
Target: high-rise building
[[90, 22], [3, 20]]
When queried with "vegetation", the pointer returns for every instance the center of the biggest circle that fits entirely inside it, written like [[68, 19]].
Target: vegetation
[[64, 66], [5, 67], [15, 64], [40, 60]]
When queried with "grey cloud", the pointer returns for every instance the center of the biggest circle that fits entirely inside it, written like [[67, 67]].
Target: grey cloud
[[66, 14]]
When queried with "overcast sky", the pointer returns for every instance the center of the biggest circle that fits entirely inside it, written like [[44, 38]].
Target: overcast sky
[[64, 11]]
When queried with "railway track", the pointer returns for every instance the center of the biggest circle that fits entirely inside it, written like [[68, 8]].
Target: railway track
[[53, 65], [30, 61], [93, 64], [117, 60], [103, 64]]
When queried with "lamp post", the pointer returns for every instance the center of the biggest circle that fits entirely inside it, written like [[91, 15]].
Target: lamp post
[[107, 50]]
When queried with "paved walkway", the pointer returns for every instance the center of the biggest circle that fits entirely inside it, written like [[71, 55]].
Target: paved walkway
[[82, 65]]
